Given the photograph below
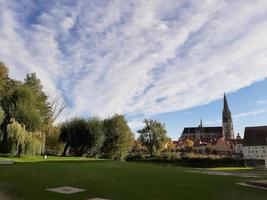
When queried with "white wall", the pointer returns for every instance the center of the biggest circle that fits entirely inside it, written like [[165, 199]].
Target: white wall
[[238, 148], [255, 152]]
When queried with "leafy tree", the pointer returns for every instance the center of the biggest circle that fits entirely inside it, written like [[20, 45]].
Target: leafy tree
[[2, 115], [22, 142], [26, 102], [34, 84], [95, 129], [23, 106], [16, 137], [3, 75], [119, 137], [188, 145], [83, 137], [153, 136], [75, 135], [52, 143]]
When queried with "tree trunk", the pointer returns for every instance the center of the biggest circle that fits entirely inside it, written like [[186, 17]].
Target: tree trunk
[[65, 150]]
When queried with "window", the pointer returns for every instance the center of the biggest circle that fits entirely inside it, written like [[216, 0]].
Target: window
[[256, 151], [249, 151]]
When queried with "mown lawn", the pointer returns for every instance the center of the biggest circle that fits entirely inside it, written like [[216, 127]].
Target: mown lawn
[[117, 181]]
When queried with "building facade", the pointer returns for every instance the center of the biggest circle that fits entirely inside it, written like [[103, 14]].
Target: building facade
[[255, 143], [212, 134]]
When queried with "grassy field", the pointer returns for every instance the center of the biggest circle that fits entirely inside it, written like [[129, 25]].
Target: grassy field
[[28, 178]]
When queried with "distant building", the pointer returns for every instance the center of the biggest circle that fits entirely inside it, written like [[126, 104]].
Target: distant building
[[255, 143], [238, 145], [204, 135], [227, 122]]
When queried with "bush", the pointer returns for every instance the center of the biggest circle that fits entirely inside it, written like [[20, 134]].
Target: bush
[[190, 160], [135, 157]]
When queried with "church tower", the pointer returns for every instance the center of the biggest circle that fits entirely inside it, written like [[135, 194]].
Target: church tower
[[227, 123]]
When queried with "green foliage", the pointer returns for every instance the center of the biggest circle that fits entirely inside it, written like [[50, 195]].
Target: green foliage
[[3, 76], [21, 142], [34, 84], [74, 133], [119, 138], [95, 129], [84, 137], [52, 144], [16, 137], [153, 136], [22, 105], [2, 115], [94, 137], [34, 144]]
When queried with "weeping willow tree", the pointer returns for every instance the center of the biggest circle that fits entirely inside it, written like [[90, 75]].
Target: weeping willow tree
[[22, 142]]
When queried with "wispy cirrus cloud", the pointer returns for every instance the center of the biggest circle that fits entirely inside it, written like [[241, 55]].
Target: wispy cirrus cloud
[[250, 113], [136, 57], [261, 102]]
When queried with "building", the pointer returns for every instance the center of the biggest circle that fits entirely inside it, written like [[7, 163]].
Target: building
[[204, 135], [255, 143], [227, 122]]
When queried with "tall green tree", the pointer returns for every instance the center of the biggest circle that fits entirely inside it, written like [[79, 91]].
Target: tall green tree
[[119, 137], [34, 84], [22, 105], [153, 136]]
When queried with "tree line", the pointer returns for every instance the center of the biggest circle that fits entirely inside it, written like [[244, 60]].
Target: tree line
[[27, 125]]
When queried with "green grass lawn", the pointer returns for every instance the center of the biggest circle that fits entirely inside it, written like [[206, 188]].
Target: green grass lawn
[[27, 179]]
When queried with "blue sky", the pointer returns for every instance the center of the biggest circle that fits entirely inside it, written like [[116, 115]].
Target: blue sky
[[166, 59]]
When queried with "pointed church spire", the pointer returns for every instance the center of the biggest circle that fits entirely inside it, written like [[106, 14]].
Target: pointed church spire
[[225, 103], [228, 130], [201, 124]]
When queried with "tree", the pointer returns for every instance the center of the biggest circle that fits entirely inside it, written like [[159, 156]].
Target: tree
[[95, 129], [34, 84], [22, 142], [75, 135], [16, 134], [119, 137], [188, 145], [3, 75], [2, 116], [57, 106], [83, 137], [153, 136], [23, 106]]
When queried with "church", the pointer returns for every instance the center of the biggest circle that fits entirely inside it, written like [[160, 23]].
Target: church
[[212, 134]]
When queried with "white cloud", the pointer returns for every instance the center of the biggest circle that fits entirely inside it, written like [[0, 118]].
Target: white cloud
[[136, 57], [250, 113], [261, 102]]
